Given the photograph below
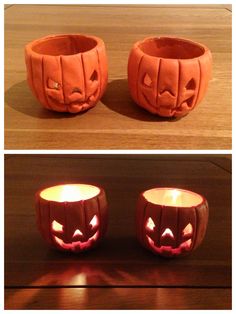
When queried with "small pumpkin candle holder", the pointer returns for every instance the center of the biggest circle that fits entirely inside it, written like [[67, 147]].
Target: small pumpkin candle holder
[[67, 73], [72, 217], [171, 222], [168, 76]]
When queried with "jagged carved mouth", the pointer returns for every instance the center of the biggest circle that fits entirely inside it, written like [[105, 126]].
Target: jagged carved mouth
[[183, 247], [77, 244], [88, 101], [76, 101]]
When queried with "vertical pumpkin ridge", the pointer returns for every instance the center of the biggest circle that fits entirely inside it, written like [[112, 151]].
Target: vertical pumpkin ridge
[[44, 85], [160, 227], [158, 77], [177, 99], [137, 88], [85, 217], [84, 75], [141, 224], [32, 75], [199, 85], [62, 84], [99, 216], [100, 78], [196, 228], [177, 233], [65, 208]]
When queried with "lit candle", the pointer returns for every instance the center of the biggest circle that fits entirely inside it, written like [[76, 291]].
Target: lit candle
[[72, 217], [170, 221]]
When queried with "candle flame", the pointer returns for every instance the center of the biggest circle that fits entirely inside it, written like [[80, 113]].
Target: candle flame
[[173, 197], [70, 193]]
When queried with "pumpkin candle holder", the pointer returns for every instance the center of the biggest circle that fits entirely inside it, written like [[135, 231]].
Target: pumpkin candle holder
[[72, 217], [67, 73], [168, 76], [171, 222]]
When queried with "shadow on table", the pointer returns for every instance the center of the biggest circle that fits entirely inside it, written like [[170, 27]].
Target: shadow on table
[[117, 98], [20, 98]]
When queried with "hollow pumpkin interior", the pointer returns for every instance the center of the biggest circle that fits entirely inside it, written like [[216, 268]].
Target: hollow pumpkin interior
[[172, 197], [70, 192], [64, 45], [171, 48]]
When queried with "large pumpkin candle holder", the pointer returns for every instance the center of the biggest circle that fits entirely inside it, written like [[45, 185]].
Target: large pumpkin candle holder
[[168, 76], [67, 73], [72, 217], [171, 222]]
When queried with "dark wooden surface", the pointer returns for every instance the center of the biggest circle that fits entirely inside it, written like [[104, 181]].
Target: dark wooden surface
[[34, 273], [116, 122]]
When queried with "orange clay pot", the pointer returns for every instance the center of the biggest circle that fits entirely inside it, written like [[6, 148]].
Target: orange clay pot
[[72, 217], [171, 222], [168, 76], [67, 72]]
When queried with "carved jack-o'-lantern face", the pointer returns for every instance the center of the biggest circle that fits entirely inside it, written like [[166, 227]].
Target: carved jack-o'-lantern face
[[67, 72], [168, 243], [77, 241], [76, 216], [168, 76], [171, 222]]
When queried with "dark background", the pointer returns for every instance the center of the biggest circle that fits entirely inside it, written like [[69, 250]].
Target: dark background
[[119, 273]]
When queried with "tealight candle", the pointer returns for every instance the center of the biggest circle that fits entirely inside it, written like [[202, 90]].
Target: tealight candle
[[72, 217], [170, 221]]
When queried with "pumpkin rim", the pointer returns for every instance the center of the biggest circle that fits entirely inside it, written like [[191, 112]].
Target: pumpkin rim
[[39, 196], [201, 46], [30, 46], [200, 203]]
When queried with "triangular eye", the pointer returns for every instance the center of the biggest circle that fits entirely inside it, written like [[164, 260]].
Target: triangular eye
[[94, 221], [191, 84], [94, 76], [147, 81], [150, 224], [56, 226], [77, 232], [188, 229], [167, 232]]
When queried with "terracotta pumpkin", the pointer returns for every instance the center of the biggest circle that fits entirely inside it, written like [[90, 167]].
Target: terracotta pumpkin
[[67, 73], [72, 217], [171, 222], [168, 76]]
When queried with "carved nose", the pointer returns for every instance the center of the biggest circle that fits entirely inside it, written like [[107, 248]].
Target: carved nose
[[167, 233]]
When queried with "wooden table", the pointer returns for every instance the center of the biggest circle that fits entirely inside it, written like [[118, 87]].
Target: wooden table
[[119, 274], [116, 122]]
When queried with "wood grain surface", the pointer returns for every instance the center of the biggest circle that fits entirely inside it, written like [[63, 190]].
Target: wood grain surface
[[116, 122], [119, 266], [118, 298]]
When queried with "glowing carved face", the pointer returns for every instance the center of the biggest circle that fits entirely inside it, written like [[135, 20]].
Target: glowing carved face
[[77, 241], [75, 216], [168, 243], [170, 220]]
